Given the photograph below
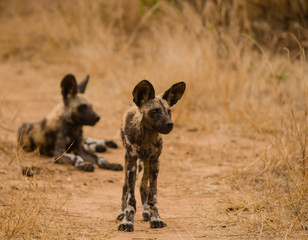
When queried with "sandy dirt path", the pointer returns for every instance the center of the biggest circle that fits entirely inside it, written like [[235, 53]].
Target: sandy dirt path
[[192, 188]]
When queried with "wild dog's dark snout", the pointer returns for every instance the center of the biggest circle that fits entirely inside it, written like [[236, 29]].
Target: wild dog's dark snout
[[170, 124], [85, 115], [97, 118], [168, 128], [93, 119]]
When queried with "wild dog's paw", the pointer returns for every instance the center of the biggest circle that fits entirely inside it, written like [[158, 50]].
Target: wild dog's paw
[[86, 167], [120, 216], [94, 145], [129, 227], [157, 224], [145, 212], [81, 165], [100, 148], [146, 216], [111, 144]]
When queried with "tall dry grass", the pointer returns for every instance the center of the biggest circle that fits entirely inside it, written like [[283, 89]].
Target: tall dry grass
[[243, 62], [212, 43]]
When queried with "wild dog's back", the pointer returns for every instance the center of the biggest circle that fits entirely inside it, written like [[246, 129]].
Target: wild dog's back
[[40, 134], [131, 127]]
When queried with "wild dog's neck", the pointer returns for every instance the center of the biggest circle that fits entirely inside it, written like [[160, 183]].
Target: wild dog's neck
[[69, 124], [148, 132]]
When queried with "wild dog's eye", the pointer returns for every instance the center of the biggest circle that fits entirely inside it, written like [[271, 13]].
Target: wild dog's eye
[[82, 107], [169, 111], [155, 111]]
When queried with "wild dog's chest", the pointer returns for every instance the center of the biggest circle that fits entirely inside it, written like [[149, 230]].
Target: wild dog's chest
[[71, 135], [139, 140], [142, 146], [149, 150]]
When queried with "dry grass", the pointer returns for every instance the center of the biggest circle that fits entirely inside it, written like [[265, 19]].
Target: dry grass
[[245, 71]]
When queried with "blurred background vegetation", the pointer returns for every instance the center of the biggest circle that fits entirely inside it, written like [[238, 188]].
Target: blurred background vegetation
[[42, 29], [236, 56]]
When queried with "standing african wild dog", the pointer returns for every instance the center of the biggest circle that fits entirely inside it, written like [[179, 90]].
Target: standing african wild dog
[[140, 133], [61, 131]]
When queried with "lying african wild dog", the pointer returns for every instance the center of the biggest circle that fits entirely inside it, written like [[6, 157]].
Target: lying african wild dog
[[140, 133], [61, 131]]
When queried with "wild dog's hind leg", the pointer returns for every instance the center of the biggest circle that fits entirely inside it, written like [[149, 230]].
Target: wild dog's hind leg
[[144, 191], [25, 140], [130, 180], [96, 145], [155, 221]]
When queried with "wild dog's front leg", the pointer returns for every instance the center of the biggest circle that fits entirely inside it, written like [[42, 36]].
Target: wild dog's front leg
[[103, 163], [144, 191], [124, 194], [155, 221], [61, 155], [99, 160], [123, 205], [130, 205], [78, 162]]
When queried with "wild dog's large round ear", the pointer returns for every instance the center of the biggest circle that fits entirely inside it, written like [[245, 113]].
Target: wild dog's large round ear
[[174, 94], [83, 85], [143, 92], [69, 86]]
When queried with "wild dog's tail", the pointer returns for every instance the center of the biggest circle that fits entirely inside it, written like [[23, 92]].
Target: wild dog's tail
[[24, 137]]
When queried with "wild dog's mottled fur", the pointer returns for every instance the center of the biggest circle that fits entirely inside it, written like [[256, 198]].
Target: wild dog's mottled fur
[[61, 131], [141, 138]]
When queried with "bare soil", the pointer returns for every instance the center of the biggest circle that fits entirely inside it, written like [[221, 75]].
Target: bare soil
[[195, 167]]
